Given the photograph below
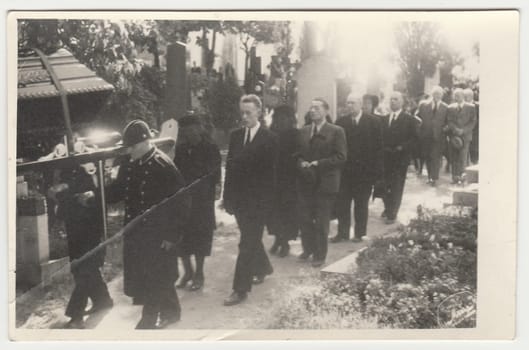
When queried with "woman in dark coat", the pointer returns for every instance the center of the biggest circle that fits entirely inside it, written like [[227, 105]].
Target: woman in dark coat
[[197, 157], [283, 222]]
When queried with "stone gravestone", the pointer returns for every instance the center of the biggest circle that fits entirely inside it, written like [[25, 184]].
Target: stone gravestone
[[177, 93], [177, 99], [315, 78]]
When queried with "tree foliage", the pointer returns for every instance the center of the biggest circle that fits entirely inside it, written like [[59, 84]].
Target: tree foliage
[[251, 33], [222, 100], [420, 49], [110, 49]]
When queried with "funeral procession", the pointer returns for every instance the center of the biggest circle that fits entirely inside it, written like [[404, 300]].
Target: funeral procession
[[178, 174]]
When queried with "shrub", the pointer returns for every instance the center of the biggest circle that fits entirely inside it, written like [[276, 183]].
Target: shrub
[[425, 277]]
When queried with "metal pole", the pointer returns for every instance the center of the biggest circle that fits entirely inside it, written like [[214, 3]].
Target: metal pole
[[67, 121], [64, 99], [101, 180]]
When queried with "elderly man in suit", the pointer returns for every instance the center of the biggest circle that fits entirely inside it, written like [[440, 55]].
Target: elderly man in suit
[[431, 132], [364, 167], [400, 133], [461, 120], [248, 194], [321, 152], [474, 144]]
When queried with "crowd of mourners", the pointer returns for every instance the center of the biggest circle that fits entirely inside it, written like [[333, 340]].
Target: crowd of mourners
[[291, 180]]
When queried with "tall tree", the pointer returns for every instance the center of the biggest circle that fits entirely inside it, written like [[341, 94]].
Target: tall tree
[[208, 42], [420, 49], [250, 34]]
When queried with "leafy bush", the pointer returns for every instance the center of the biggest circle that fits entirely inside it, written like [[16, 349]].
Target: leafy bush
[[318, 308], [425, 277], [222, 100]]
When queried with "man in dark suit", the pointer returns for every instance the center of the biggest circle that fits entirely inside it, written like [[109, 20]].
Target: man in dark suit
[[461, 120], [431, 132], [321, 152], [400, 133], [248, 194], [364, 167], [80, 207]]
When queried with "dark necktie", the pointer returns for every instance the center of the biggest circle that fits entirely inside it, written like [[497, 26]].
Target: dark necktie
[[434, 108], [354, 123], [247, 140], [314, 131]]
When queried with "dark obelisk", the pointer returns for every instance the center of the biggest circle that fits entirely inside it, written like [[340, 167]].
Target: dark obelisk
[[176, 98]]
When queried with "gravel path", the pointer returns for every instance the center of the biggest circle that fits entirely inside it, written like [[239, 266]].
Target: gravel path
[[204, 309]]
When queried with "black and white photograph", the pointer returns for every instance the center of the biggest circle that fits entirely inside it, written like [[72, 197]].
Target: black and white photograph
[[247, 171]]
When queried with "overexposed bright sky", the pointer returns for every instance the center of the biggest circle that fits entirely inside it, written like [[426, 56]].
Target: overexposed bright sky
[[357, 46]]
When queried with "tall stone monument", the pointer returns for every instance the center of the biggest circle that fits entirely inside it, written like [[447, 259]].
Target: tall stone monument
[[317, 75], [177, 94]]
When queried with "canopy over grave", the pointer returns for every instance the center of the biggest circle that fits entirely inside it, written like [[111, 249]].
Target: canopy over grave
[[40, 115]]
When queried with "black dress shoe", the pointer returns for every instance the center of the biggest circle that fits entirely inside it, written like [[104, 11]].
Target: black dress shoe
[[75, 323], [183, 282], [356, 240], [304, 257], [146, 325], [166, 321], [318, 263], [337, 239], [258, 279], [283, 251], [107, 304], [198, 283], [235, 298]]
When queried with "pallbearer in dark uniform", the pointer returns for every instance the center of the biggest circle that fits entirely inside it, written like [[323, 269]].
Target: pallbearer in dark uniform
[[400, 133], [363, 168], [150, 268], [80, 207], [197, 157], [248, 194]]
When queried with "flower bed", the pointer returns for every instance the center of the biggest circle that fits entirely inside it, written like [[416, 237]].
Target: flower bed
[[423, 278]]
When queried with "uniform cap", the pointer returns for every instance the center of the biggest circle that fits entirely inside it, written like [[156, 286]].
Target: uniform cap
[[135, 132]]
